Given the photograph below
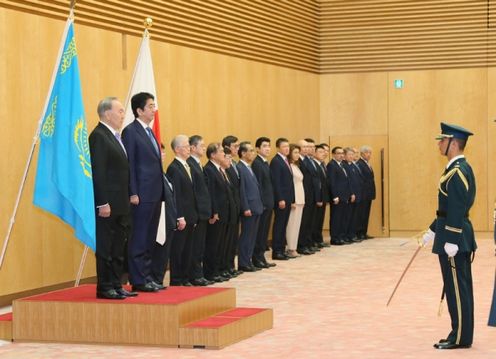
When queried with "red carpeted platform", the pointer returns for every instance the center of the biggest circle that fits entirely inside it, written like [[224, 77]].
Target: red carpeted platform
[[6, 326], [76, 315]]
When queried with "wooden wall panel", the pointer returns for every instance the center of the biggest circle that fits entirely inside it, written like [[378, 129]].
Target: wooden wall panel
[[280, 33], [199, 92], [386, 35]]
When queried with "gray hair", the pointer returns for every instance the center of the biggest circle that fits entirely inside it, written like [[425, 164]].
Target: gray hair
[[348, 149], [105, 105], [176, 141], [365, 149]]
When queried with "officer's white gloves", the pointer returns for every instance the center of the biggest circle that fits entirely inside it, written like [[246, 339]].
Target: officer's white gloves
[[450, 249], [428, 237]]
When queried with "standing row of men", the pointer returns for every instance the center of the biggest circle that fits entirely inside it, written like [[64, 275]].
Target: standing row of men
[[212, 212]]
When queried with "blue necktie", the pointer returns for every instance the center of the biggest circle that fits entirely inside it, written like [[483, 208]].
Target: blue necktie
[[152, 139]]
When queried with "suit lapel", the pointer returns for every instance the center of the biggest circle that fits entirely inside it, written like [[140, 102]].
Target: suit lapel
[[144, 137]]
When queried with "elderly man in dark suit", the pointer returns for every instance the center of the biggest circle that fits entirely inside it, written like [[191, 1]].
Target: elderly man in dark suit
[[322, 196], [146, 190], [181, 176], [356, 186], [203, 206], [339, 185], [284, 196], [111, 188], [260, 167], [368, 192], [251, 207]]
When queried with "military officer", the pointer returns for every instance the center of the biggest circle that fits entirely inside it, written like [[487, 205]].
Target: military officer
[[453, 236]]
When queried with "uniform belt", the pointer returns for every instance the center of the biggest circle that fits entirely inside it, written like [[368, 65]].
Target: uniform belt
[[442, 214]]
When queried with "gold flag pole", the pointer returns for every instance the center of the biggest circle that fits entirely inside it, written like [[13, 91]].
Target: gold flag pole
[[417, 236]]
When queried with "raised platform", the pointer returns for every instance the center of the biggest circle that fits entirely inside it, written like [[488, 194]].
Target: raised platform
[[76, 315], [6, 326]]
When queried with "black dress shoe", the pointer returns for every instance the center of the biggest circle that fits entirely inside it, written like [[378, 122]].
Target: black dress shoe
[[449, 345], [186, 284], [337, 242], [226, 274], [270, 265], [314, 248], [325, 245], [247, 269], [238, 272], [148, 287], [126, 293], [260, 265], [279, 257], [199, 282], [157, 285], [305, 251], [368, 237], [215, 279], [110, 294]]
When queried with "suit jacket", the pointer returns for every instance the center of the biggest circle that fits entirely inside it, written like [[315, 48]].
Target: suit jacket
[[249, 190], [183, 186], [170, 204], [110, 171], [368, 180], [200, 186], [356, 180], [311, 182], [218, 189], [144, 162], [324, 195], [262, 172], [282, 181], [233, 177], [339, 183]]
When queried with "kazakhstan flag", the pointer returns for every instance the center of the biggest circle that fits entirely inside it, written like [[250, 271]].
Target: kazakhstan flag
[[64, 185]]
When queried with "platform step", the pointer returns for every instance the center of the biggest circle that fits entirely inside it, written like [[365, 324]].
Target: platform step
[[6, 326], [225, 328]]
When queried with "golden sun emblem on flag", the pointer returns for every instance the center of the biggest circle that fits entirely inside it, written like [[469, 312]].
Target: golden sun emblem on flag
[[49, 124], [82, 145]]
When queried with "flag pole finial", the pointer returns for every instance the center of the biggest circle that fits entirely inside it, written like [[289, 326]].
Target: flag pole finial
[[148, 23]]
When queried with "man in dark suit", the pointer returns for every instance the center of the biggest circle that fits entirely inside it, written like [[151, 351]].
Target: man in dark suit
[[368, 192], [356, 186], [251, 207], [161, 252], [111, 188], [216, 257], [181, 176], [322, 196], [339, 187], [146, 190], [203, 206], [231, 145], [284, 196], [311, 186], [260, 167]]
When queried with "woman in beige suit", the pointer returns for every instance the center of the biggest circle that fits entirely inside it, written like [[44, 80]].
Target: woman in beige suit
[[293, 227]]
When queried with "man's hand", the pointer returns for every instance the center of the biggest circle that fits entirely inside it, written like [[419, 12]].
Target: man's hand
[[319, 204], [214, 218], [428, 237], [282, 204], [181, 224], [450, 249], [104, 211], [247, 213], [335, 200], [134, 199], [352, 198]]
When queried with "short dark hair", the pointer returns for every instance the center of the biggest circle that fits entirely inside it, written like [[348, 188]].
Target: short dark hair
[[261, 140], [461, 143], [227, 151], [309, 140], [139, 101], [228, 140], [195, 140], [335, 149], [212, 149], [323, 144], [243, 148], [320, 147], [280, 140]]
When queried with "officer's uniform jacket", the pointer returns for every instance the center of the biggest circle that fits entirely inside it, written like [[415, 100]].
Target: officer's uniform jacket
[[456, 197]]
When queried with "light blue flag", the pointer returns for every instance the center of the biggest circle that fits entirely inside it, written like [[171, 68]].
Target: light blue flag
[[64, 184]]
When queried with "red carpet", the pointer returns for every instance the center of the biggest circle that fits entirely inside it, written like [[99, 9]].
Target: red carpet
[[240, 312], [224, 318], [87, 293], [7, 317]]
